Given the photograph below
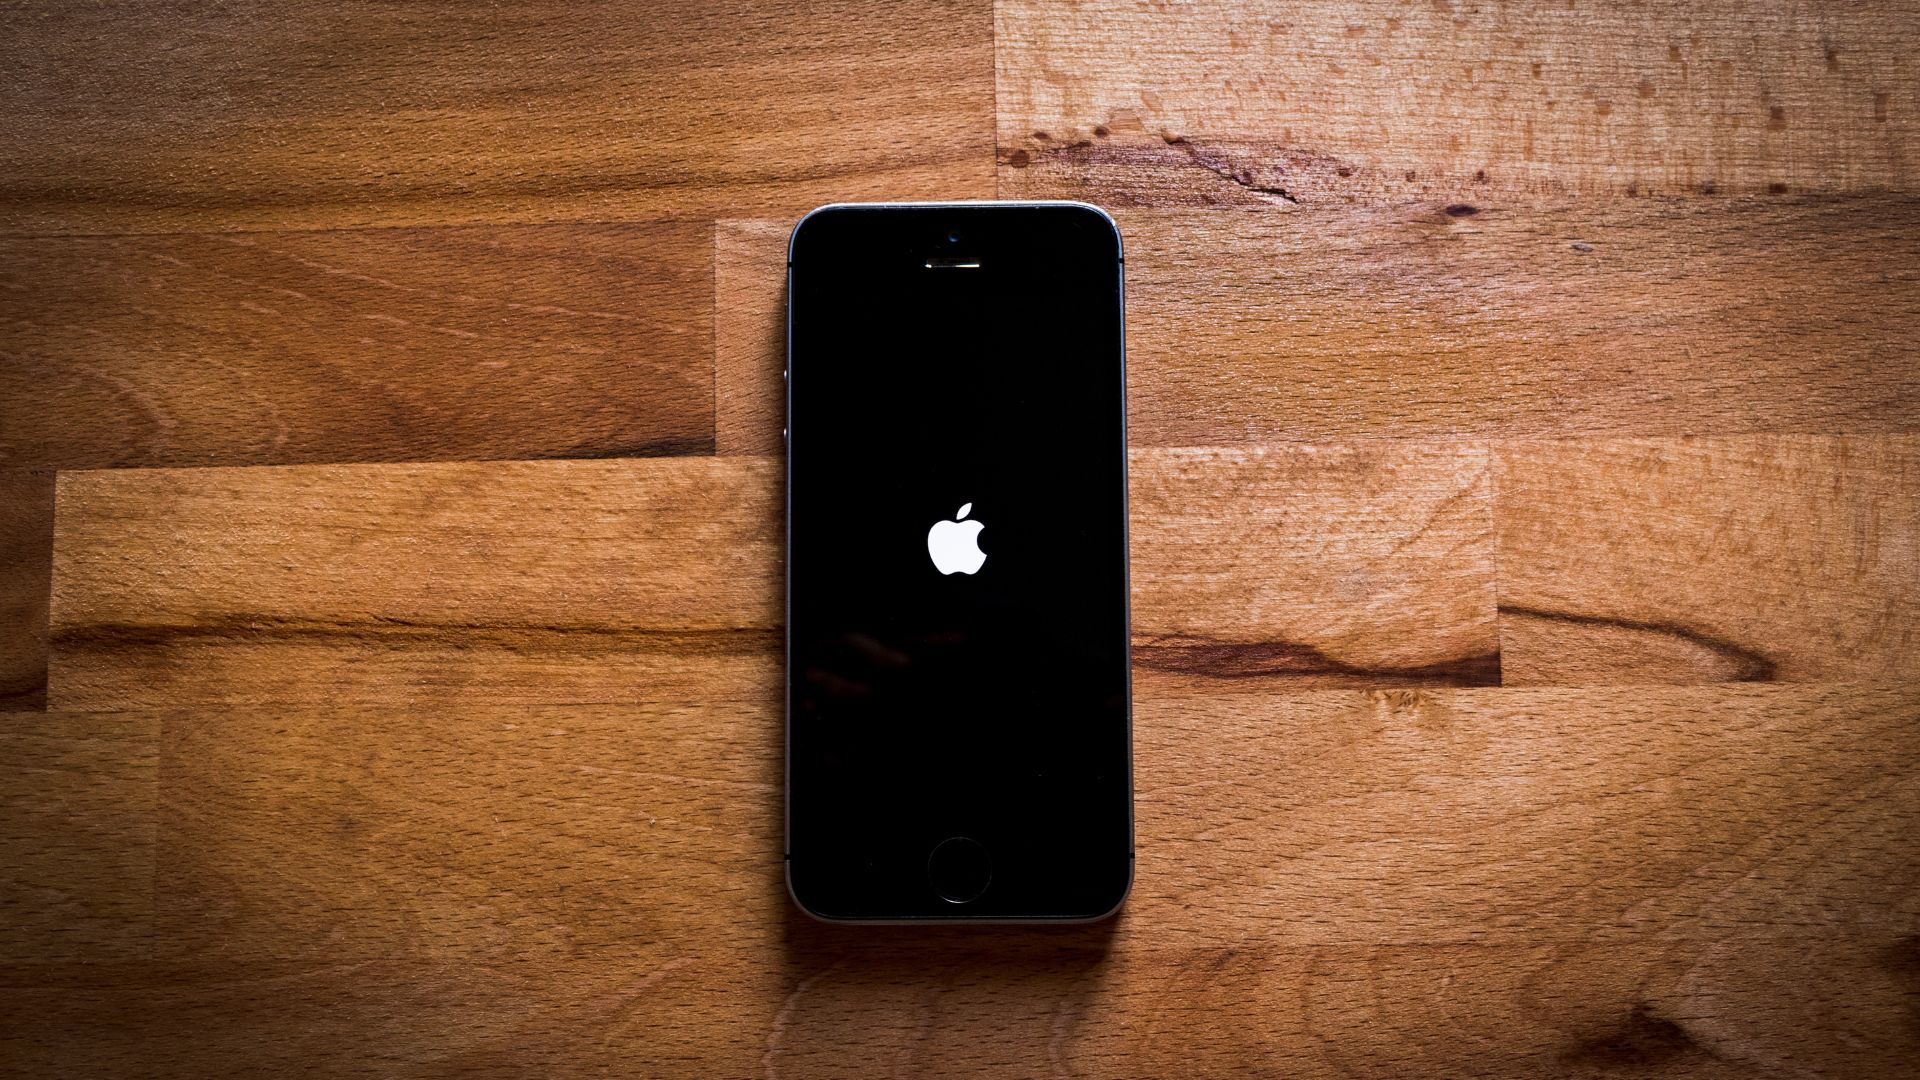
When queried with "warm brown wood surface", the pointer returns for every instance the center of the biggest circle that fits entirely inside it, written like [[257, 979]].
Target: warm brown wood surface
[[1526, 536], [1496, 882], [1330, 101], [26, 575], [358, 345], [125, 116], [1753, 559]]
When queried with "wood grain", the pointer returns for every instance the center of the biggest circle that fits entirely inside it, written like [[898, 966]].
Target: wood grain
[[922, 1005], [1332, 101], [1399, 883], [26, 581], [79, 799], [398, 583], [1313, 565], [1755, 559], [750, 336], [387, 344], [258, 115], [379, 584], [1642, 318], [531, 834], [1480, 320]]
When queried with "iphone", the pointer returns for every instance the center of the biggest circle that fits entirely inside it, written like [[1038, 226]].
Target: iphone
[[958, 701]]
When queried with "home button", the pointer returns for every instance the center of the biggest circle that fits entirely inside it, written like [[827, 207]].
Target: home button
[[959, 870]]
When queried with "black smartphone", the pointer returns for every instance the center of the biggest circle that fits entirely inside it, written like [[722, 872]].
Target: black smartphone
[[958, 674]]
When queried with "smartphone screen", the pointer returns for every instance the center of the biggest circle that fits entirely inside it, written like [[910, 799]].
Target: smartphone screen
[[958, 695]]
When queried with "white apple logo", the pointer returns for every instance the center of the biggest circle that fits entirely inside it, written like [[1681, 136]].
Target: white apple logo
[[955, 545]]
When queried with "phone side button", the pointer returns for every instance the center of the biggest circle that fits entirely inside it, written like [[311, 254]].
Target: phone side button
[[959, 870]]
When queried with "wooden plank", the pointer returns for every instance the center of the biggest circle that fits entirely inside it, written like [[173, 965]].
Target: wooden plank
[[1639, 318], [750, 336], [383, 584], [1642, 318], [923, 1005], [1756, 558], [376, 584], [78, 808], [1364, 565], [481, 833], [389, 344], [1261, 103], [26, 580], [258, 115], [1504, 882], [1577, 815]]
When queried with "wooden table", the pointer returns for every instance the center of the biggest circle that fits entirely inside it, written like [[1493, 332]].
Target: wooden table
[[1526, 480]]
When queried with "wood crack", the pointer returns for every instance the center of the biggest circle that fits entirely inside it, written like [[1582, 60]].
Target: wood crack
[[1224, 169], [1190, 655], [1749, 665]]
